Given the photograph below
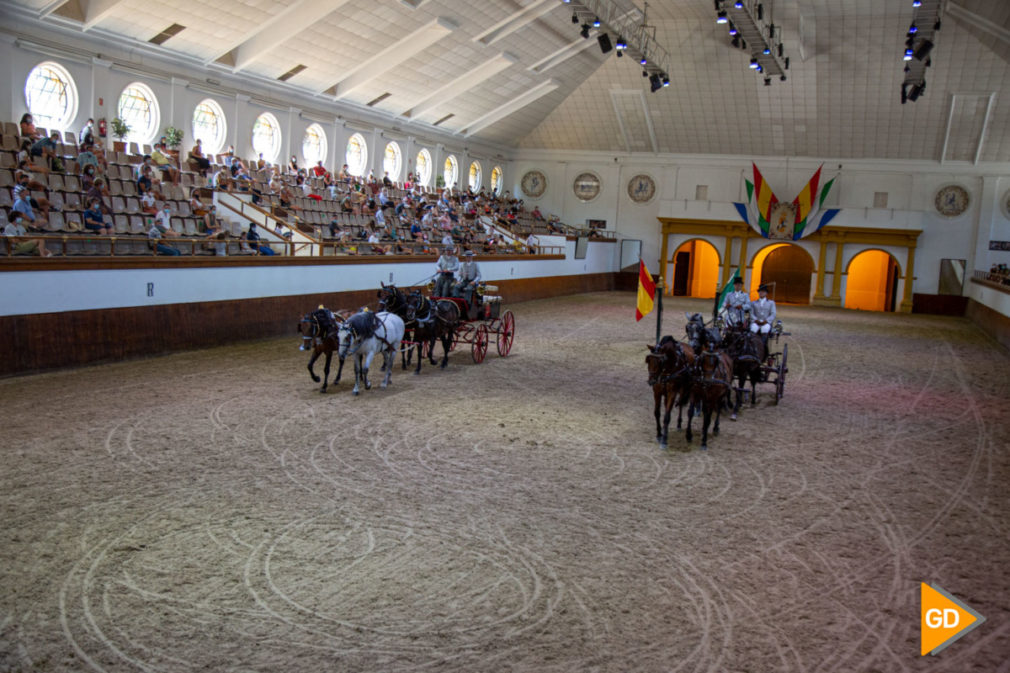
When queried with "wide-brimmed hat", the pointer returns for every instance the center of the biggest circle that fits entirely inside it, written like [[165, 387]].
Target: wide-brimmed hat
[[763, 288]]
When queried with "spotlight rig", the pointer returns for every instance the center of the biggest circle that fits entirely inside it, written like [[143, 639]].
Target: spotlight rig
[[919, 42], [632, 32], [748, 31]]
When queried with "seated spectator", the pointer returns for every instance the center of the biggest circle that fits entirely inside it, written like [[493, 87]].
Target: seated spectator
[[34, 246], [144, 183], [148, 205], [261, 162], [24, 180], [163, 220], [255, 241], [386, 182], [94, 219], [209, 222], [28, 128], [416, 230], [197, 158], [48, 149], [155, 234], [319, 170], [23, 205], [373, 239], [196, 205], [222, 181], [101, 194], [293, 165], [283, 231], [165, 162], [87, 177], [347, 204], [447, 240], [345, 175], [536, 214], [338, 233], [87, 158]]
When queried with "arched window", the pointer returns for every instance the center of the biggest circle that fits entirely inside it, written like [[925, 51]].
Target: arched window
[[424, 167], [314, 145], [209, 125], [356, 156], [476, 176], [451, 171], [51, 96], [266, 136], [496, 179], [391, 161], [138, 107]]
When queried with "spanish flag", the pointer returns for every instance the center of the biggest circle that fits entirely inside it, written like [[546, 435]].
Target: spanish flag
[[646, 292]]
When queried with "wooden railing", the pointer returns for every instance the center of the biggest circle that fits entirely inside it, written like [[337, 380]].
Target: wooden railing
[[997, 281]]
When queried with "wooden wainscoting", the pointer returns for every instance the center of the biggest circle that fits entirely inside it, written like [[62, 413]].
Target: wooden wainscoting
[[45, 341]]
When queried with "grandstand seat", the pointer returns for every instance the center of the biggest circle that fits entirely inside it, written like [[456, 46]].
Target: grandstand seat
[[5, 197], [56, 182], [7, 160], [72, 201], [70, 137], [56, 200], [137, 224], [132, 205], [71, 183], [56, 221], [121, 223], [118, 204], [115, 188], [6, 178], [10, 129], [130, 188], [73, 220]]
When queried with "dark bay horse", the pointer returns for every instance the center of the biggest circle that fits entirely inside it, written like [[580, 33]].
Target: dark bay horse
[[319, 334], [670, 366], [748, 353], [432, 319], [711, 383]]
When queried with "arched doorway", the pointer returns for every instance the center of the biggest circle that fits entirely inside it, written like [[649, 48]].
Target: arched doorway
[[787, 269], [694, 270], [871, 281]]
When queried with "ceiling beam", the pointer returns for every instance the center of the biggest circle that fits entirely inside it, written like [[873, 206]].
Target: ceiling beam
[[564, 53], [396, 53], [514, 22], [93, 11], [972, 19], [461, 84], [517, 103], [256, 44]]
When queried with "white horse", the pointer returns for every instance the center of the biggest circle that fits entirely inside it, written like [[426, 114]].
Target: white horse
[[365, 334]]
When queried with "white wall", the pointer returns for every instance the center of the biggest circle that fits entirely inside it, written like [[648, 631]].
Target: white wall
[[27, 292]]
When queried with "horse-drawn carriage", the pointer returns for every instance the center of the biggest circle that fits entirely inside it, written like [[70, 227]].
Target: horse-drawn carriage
[[771, 368], [481, 318]]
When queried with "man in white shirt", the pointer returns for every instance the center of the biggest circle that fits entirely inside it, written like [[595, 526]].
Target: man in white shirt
[[469, 277], [16, 227], [445, 269], [163, 220], [737, 302]]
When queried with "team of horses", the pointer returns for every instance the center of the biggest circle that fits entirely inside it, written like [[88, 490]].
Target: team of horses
[[404, 323], [699, 374]]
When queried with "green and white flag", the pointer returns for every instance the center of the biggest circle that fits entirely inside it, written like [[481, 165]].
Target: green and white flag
[[727, 288]]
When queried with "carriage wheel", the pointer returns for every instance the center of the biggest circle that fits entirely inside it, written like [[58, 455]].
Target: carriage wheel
[[506, 332], [479, 346], [780, 382]]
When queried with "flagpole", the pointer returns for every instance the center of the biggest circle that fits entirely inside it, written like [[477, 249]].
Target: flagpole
[[659, 308]]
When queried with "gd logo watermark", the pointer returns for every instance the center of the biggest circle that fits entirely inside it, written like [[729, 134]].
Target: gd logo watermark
[[944, 619]]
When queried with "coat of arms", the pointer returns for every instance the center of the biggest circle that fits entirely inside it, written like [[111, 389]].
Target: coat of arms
[[782, 220]]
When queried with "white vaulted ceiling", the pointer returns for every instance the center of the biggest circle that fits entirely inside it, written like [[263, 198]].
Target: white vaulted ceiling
[[517, 73]]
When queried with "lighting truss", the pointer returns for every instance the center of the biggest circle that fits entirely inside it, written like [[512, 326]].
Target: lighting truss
[[631, 29], [763, 40], [919, 41]]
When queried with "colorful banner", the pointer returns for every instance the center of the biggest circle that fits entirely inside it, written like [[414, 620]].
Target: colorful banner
[[785, 221], [646, 292]]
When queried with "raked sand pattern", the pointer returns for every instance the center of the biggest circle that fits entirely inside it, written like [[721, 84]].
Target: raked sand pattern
[[211, 511]]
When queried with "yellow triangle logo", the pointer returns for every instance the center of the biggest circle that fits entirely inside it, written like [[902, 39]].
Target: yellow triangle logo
[[944, 619]]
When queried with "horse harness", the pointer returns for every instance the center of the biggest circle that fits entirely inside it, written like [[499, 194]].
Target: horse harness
[[707, 356]]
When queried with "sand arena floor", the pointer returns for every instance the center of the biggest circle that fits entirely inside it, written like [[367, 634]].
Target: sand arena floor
[[211, 510]]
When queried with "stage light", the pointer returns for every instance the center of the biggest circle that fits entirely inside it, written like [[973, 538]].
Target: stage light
[[655, 83], [732, 29], [907, 56], [585, 31], [738, 4], [922, 51], [736, 41], [721, 17], [768, 81], [596, 22], [766, 51], [575, 18], [916, 3], [666, 81], [621, 44], [916, 91], [782, 78], [912, 30], [643, 61], [753, 64]]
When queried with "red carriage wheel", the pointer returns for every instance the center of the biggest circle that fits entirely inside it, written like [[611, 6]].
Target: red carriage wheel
[[506, 332], [479, 345]]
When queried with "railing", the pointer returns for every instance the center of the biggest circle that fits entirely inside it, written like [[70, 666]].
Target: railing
[[298, 244], [997, 281]]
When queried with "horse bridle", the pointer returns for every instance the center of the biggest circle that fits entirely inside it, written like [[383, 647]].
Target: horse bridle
[[664, 358], [707, 356]]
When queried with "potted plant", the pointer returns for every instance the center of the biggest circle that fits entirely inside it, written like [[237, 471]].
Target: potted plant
[[439, 181], [173, 137], [120, 129]]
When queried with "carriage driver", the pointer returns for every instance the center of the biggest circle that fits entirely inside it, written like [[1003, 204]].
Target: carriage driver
[[762, 314], [469, 276], [737, 302], [445, 268]]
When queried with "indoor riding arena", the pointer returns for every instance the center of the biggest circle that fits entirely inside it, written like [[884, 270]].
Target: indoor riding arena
[[211, 510]]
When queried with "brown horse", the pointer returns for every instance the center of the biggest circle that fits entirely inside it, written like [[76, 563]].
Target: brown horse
[[711, 383], [319, 334], [432, 319], [748, 353], [670, 366]]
